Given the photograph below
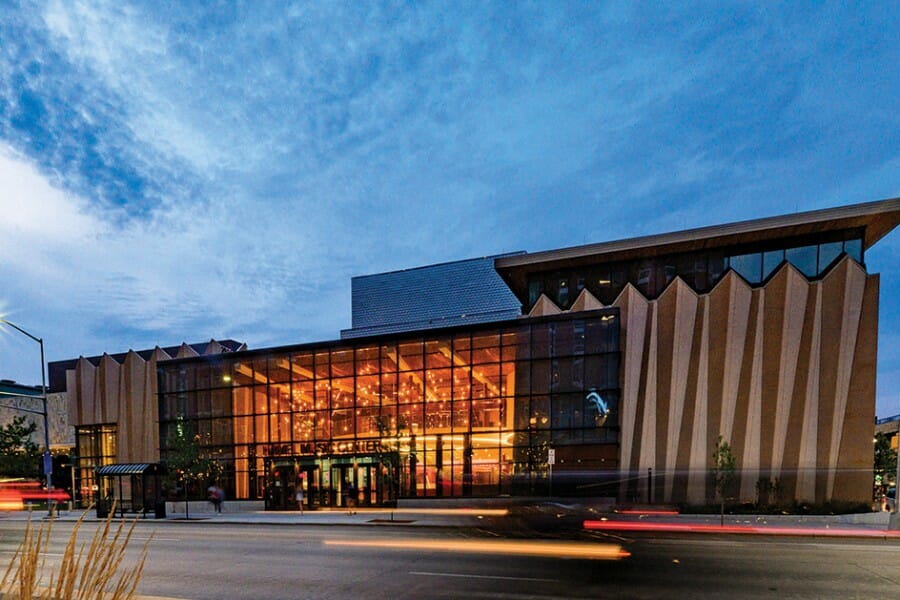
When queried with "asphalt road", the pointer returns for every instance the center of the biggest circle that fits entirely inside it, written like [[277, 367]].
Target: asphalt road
[[219, 561]]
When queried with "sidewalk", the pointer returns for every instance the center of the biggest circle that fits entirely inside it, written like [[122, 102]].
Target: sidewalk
[[420, 517], [543, 517]]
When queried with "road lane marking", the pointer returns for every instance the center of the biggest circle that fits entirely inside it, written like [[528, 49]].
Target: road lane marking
[[473, 576]]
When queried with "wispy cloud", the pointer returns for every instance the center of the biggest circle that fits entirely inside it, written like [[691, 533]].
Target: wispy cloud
[[224, 170]]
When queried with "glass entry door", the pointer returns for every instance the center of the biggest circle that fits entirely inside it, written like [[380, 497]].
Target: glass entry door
[[283, 479], [326, 482], [308, 481], [357, 482]]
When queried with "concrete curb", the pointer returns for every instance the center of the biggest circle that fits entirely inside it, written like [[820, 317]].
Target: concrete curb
[[486, 517]]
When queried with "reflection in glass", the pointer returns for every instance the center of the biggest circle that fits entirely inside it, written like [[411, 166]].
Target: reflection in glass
[[853, 248], [771, 261], [748, 266], [804, 258], [828, 253]]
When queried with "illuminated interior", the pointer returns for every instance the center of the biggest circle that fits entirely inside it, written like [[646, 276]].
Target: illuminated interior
[[441, 415]]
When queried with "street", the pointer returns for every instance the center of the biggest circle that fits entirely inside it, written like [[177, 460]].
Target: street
[[207, 560]]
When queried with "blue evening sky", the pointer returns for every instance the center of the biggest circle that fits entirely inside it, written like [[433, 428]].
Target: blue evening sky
[[184, 171]]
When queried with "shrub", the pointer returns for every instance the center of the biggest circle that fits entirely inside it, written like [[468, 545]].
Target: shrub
[[92, 572]]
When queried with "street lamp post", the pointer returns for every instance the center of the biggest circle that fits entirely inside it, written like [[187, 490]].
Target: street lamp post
[[48, 461]]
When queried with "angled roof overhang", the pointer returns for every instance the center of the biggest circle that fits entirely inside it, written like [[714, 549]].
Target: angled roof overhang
[[123, 469], [874, 219]]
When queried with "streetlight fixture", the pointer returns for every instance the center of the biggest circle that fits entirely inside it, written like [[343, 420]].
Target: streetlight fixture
[[48, 460]]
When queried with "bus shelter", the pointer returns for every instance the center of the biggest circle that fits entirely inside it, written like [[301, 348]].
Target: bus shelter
[[131, 488]]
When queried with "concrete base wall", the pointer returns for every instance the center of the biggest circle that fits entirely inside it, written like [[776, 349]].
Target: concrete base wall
[[202, 506]]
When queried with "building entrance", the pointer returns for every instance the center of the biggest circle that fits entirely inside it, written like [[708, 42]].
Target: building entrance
[[327, 482], [284, 477], [357, 484]]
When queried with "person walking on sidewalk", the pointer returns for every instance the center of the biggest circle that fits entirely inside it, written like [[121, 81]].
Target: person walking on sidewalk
[[216, 497], [351, 498], [298, 496]]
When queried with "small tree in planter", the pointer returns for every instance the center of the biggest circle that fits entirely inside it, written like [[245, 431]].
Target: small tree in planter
[[188, 461], [723, 472]]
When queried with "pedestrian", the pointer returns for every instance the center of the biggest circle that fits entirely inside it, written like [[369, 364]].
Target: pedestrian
[[298, 496], [216, 496], [351, 498]]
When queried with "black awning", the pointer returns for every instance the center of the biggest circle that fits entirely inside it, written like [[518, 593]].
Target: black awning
[[130, 469]]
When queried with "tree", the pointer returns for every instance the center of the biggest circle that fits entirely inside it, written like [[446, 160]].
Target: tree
[[723, 471], [187, 461], [885, 460], [19, 455]]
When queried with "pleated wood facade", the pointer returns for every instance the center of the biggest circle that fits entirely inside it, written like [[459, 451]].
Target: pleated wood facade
[[784, 372], [124, 394]]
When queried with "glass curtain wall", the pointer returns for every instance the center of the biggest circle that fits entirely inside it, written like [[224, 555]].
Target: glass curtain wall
[[95, 447], [700, 270], [462, 413]]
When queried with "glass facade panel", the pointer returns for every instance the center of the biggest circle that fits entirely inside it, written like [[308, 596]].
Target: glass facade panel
[[701, 270], [748, 266], [96, 446], [303, 396], [437, 354], [304, 426], [341, 363], [368, 390], [279, 370], [535, 289], [509, 346], [279, 398], [367, 360], [485, 349], [242, 374], [828, 253], [771, 261], [388, 358], [411, 356], [302, 367], [804, 258], [220, 402], [853, 248], [322, 366], [562, 293], [453, 415]]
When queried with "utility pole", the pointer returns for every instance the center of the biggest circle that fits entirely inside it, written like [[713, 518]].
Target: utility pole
[[48, 458]]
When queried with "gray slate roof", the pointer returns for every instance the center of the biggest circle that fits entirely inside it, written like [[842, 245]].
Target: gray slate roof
[[455, 293]]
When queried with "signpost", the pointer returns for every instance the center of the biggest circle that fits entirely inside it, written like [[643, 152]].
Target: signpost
[[551, 460]]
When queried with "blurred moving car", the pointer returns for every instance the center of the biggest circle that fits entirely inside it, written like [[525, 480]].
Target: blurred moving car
[[14, 495]]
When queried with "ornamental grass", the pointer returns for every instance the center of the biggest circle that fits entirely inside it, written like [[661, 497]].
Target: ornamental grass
[[86, 572]]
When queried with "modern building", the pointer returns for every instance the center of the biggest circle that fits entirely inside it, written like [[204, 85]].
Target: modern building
[[610, 369]]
